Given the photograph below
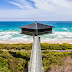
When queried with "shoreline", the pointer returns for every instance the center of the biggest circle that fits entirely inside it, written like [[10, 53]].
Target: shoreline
[[27, 42]]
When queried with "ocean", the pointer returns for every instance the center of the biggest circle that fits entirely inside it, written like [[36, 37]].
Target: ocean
[[10, 31]]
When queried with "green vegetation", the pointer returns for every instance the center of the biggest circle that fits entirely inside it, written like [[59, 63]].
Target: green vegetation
[[52, 59], [14, 61], [16, 46], [64, 46], [18, 61], [44, 46]]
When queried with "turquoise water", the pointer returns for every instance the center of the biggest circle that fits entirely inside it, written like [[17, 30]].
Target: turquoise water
[[10, 31]]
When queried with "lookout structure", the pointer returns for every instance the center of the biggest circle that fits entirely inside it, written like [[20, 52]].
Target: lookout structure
[[35, 30]]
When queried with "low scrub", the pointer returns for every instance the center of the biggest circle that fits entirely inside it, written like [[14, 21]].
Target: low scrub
[[44, 46], [14, 61], [64, 46], [19, 61], [56, 61]]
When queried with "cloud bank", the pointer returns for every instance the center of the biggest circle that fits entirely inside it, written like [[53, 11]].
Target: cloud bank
[[39, 9]]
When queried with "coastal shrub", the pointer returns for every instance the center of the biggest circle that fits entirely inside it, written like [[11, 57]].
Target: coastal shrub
[[64, 46], [14, 61], [51, 59], [44, 46], [18, 61], [19, 54], [16, 46], [4, 65], [1, 51]]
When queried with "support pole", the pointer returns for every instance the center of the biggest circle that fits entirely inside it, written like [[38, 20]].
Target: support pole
[[35, 64]]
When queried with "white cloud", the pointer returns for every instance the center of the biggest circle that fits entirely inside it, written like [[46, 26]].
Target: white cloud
[[45, 9], [52, 4], [48, 5], [17, 4], [23, 4]]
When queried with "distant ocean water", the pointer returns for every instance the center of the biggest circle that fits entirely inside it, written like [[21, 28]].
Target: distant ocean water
[[10, 31]]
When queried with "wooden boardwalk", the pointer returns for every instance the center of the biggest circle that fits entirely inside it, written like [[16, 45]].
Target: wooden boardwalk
[[35, 64]]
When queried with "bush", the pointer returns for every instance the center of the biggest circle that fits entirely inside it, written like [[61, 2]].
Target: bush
[[44, 46], [4, 65], [14, 61], [64, 46], [51, 59]]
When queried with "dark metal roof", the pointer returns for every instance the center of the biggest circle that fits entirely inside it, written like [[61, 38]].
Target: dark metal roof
[[36, 26]]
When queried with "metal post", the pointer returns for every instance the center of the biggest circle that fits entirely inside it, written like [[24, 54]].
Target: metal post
[[35, 64], [36, 31]]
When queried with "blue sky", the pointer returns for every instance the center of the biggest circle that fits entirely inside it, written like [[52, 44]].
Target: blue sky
[[36, 9]]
